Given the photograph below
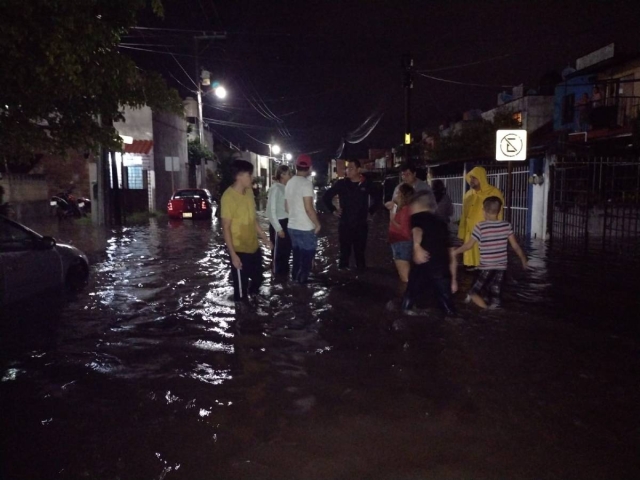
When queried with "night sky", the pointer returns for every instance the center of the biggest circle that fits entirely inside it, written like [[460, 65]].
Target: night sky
[[306, 73]]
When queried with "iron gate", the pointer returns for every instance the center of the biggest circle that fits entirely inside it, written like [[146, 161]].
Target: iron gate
[[595, 202], [498, 177]]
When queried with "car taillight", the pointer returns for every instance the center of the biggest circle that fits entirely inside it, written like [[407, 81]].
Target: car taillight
[[169, 206], [203, 206]]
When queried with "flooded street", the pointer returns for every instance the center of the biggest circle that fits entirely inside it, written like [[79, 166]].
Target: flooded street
[[151, 373]]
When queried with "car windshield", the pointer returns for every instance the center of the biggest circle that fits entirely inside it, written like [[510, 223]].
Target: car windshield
[[12, 236], [191, 194]]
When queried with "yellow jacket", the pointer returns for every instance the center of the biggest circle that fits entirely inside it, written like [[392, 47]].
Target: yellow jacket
[[472, 212]]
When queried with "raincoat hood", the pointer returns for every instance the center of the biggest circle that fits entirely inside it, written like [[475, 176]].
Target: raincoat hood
[[481, 174]]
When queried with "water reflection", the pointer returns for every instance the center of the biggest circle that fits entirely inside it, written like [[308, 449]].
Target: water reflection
[[154, 357]]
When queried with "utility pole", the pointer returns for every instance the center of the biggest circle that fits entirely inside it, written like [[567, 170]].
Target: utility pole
[[407, 67], [199, 81]]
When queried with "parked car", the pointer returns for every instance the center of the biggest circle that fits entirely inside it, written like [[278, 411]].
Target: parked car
[[31, 264], [191, 203]]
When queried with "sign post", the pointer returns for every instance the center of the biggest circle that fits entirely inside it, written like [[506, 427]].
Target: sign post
[[172, 164], [511, 145]]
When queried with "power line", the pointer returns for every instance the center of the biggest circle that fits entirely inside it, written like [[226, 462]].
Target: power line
[[215, 11], [254, 138], [154, 51], [188, 89], [225, 139], [470, 84], [162, 29], [453, 67]]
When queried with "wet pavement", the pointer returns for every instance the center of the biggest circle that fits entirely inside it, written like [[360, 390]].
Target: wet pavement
[[151, 373]]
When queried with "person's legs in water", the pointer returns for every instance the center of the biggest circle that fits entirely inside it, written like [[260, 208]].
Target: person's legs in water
[[296, 248], [252, 268], [442, 288], [415, 287], [484, 278], [240, 280], [495, 288], [401, 253], [360, 233], [345, 237], [283, 252], [308, 242]]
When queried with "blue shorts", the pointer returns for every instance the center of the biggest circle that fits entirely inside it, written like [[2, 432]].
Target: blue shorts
[[402, 250]]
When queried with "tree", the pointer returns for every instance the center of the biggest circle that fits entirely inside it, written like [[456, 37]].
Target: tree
[[476, 139], [61, 72], [198, 152]]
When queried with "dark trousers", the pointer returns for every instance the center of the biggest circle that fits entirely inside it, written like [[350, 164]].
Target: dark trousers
[[281, 248], [353, 238], [421, 280], [248, 279]]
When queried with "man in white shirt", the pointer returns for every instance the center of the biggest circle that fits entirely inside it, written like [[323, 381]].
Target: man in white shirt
[[279, 222], [303, 221]]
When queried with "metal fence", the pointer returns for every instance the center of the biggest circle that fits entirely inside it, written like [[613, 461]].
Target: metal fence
[[595, 202], [498, 177], [518, 213], [455, 185]]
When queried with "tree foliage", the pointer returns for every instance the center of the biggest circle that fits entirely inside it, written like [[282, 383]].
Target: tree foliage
[[476, 138], [61, 71], [198, 152]]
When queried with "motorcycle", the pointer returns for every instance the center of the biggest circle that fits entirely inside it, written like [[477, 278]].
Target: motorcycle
[[65, 205]]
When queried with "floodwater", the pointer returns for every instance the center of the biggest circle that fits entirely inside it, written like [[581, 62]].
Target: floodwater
[[151, 373]]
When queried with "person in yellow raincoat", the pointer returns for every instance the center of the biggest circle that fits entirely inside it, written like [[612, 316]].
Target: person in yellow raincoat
[[472, 211]]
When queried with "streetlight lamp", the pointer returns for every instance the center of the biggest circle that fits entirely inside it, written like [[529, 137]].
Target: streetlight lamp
[[288, 157], [275, 149], [220, 92]]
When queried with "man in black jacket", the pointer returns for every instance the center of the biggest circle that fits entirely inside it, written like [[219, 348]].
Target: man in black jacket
[[356, 203]]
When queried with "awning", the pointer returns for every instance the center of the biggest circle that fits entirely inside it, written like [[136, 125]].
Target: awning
[[139, 147]]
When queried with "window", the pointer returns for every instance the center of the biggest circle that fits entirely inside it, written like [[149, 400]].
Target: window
[[568, 106], [134, 177], [517, 117], [13, 238]]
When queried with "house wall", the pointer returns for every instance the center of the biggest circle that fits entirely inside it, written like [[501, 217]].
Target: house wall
[[576, 86], [28, 195], [169, 140], [536, 110]]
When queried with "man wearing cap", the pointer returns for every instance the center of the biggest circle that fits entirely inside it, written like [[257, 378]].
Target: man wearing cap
[[303, 220], [356, 204]]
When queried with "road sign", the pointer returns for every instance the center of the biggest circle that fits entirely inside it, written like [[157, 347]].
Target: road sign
[[511, 145], [172, 164]]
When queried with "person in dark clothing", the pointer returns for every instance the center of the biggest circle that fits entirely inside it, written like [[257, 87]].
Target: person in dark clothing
[[445, 206], [356, 203], [435, 264]]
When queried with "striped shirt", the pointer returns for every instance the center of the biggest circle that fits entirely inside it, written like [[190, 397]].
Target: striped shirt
[[492, 237]]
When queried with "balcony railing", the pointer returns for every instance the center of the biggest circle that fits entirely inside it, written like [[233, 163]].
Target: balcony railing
[[612, 112]]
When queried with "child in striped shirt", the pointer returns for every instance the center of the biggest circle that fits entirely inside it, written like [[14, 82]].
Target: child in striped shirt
[[492, 236]]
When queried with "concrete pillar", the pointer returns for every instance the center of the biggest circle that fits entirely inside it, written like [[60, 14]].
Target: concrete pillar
[[539, 198]]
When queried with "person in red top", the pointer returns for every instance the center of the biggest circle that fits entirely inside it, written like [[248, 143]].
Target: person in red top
[[400, 237]]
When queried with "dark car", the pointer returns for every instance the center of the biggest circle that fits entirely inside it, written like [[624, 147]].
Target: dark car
[[31, 264], [191, 203]]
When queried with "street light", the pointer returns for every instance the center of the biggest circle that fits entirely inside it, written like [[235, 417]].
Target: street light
[[288, 157], [220, 92], [275, 149]]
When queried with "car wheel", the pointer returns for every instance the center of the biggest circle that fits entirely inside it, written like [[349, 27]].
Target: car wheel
[[77, 276]]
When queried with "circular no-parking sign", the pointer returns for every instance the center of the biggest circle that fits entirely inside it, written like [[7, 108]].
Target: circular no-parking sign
[[511, 145]]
